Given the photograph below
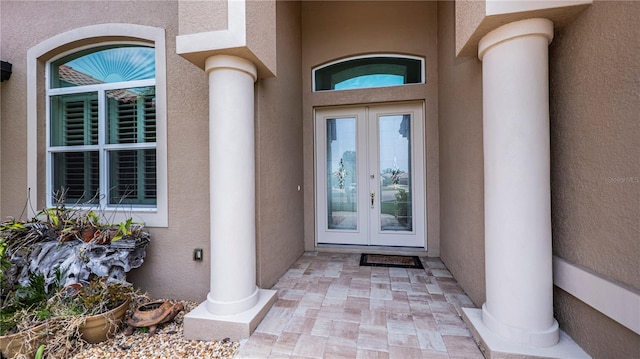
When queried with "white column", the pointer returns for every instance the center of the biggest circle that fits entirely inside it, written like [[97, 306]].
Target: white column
[[518, 258], [232, 184], [235, 305]]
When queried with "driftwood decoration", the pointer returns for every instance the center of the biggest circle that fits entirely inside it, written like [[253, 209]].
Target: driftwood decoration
[[77, 260]]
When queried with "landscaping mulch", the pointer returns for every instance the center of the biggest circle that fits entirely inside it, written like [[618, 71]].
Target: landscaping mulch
[[168, 342]]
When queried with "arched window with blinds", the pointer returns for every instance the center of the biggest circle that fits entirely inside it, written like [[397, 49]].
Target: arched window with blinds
[[102, 127]]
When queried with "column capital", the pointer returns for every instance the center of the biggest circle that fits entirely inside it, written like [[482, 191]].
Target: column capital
[[536, 27], [476, 18], [229, 27], [232, 63]]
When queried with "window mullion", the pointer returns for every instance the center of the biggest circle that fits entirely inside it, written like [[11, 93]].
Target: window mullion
[[87, 140], [102, 86], [140, 126], [102, 153], [130, 146]]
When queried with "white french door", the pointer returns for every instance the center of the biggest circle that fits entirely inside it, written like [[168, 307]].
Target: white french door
[[370, 175]]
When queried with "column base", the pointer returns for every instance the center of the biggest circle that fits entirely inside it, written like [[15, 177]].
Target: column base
[[493, 346], [534, 338], [200, 324]]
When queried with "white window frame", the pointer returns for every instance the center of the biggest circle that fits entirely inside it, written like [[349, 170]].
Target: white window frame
[[102, 147], [148, 36], [368, 56]]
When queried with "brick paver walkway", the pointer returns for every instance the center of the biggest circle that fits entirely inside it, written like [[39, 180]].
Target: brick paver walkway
[[330, 307]]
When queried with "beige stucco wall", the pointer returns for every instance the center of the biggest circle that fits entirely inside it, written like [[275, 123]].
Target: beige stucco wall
[[1, 105], [13, 93], [0, 138], [0, 141], [169, 270], [334, 30], [461, 161], [279, 203], [595, 146], [201, 16], [261, 35], [169, 256], [469, 14]]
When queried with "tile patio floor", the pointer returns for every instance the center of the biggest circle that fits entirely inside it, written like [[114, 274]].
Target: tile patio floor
[[330, 307]]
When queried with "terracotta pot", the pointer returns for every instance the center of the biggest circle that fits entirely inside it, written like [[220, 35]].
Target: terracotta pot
[[25, 342], [88, 234], [97, 328], [152, 314]]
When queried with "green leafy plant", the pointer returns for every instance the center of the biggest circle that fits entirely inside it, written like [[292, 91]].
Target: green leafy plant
[[27, 305], [100, 295], [40, 352], [5, 264], [402, 206], [124, 229]]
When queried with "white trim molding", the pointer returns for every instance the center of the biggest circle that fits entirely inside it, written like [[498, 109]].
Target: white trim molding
[[500, 7], [128, 32], [611, 299], [234, 36]]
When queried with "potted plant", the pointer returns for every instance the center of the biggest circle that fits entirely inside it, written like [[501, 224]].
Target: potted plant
[[25, 319], [64, 271], [32, 316], [100, 305]]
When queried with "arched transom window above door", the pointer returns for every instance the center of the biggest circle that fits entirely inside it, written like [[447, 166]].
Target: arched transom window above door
[[369, 71]]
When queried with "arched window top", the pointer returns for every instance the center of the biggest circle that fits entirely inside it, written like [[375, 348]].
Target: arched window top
[[106, 64], [369, 71], [76, 103]]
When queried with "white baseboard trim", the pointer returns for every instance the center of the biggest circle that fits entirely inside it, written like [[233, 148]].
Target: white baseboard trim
[[611, 299]]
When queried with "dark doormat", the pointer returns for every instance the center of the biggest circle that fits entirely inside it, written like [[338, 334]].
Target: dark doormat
[[380, 260]]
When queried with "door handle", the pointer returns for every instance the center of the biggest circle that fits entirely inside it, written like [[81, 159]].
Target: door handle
[[373, 196]]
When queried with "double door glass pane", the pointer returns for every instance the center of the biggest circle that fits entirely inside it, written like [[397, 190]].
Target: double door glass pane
[[342, 186], [390, 194], [394, 154]]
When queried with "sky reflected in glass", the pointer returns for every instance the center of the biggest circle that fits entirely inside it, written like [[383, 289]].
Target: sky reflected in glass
[[367, 81], [115, 64]]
